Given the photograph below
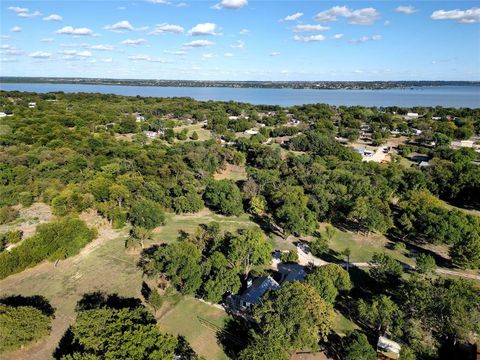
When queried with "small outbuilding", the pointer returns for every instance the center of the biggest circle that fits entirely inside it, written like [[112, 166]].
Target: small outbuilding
[[388, 349]]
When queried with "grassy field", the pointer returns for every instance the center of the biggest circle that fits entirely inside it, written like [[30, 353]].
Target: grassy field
[[232, 172], [107, 266], [185, 318], [189, 223], [342, 325], [203, 134]]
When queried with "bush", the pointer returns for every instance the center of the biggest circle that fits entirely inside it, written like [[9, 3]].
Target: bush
[[289, 256], [54, 241], [8, 214], [319, 246], [11, 237]]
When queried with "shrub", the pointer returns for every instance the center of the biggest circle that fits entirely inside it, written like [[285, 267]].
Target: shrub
[[54, 241], [8, 214]]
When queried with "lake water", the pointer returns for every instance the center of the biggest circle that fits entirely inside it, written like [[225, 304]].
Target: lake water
[[446, 96]]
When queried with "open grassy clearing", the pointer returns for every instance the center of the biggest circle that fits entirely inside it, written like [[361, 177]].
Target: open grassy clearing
[[232, 172], [185, 318], [189, 222], [203, 134]]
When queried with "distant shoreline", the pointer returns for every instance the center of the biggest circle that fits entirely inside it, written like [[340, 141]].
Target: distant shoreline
[[313, 85]]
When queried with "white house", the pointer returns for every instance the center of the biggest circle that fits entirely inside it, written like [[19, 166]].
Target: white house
[[251, 132], [150, 134], [2, 114], [32, 105], [388, 349]]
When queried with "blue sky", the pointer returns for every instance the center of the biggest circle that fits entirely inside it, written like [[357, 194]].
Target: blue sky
[[242, 40]]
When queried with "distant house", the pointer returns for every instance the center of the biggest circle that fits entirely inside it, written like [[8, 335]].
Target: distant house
[[252, 295], [282, 140], [32, 105], [417, 132], [251, 132], [387, 349], [411, 116], [2, 114]]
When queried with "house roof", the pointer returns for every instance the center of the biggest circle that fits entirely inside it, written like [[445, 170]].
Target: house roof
[[259, 287], [291, 272]]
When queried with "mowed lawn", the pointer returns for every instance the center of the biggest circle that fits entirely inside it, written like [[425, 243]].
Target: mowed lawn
[[185, 318], [203, 134]]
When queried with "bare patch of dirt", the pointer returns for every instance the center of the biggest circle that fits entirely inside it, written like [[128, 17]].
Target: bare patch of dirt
[[30, 217]]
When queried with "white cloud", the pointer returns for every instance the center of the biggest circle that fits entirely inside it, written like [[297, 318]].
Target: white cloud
[[102, 47], [178, 52], [4, 37], [337, 36], [17, 9], [207, 56], [231, 4], [198, 43], [162, 2], [238, 45], [40, 55], [293, 17], [308, 39], [16, 29], [365, 16], [203, 29], [167, 28], [407, 10], [106, 60], [228, 55], [244, 32], [12, 51], [274, 53], [124, 25], [134, 42], [69, 30], [29, 15], [366, 38], [306, 27], [139, 58], [142, 57], [53, 17], [47, 40], [468, 16], [387, 23], [84, 54]]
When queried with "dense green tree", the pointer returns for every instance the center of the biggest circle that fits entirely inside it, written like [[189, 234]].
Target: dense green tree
[[385, 269], [357, 347], [180, 262], [297, 315], [147, 214], [383, 315], [124, 333], [329, 280], [425, 263], [248, 248], [224, 196], [20, 325], [291, 212]]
